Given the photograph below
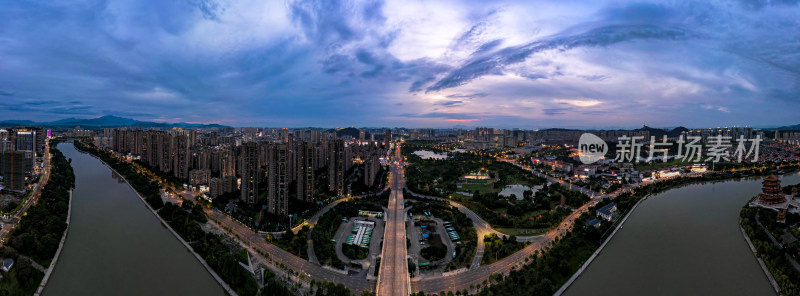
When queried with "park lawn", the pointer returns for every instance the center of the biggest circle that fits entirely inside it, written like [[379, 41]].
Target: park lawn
[[460, 196], [527, 215], [519, 180], [482, 188], [521, 231], [534, 214]]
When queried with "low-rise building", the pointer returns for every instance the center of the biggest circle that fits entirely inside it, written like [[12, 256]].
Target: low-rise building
[[593, 222], [7, 264], [608, 212]]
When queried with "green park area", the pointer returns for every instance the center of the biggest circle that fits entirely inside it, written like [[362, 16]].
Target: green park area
[[547, 271], [539, 208], [496, 248], [37, 235], [442, 177], [776, 244], [291, 242]]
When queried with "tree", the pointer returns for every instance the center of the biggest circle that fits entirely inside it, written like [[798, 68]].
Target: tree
[[411, 267]]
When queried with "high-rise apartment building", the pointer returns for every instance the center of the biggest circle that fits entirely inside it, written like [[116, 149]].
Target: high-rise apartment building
[[181, 157], [305, 171], [372, 166], [25, 140], [250, 172], [228, 166], [13, 170], [278, 180], [336, 166]]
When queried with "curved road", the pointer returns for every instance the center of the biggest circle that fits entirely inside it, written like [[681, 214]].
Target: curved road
[[291, 262], [476, 275], [393, 278]]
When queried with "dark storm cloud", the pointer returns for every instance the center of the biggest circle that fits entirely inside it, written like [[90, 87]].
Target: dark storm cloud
[[469, 96], [555, 111], [450, 103], [603, 36], [337, 62], [442, 115]]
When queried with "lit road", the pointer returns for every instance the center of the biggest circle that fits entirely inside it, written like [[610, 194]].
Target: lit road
[[280, 261], [475, 276], [32, 200], [289, 260], [393, 278]]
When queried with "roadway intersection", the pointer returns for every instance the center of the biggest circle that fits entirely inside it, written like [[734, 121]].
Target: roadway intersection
[[393, 277]]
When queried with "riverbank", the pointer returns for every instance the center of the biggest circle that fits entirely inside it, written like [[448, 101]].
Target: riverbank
[[33, 242], [597, 252], [582, 243], [202, 261], [58, 252], [686, 229], [760, 262], [774, 258], [660, 187]]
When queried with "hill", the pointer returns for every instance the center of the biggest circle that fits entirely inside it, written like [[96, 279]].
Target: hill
[[106, 121]]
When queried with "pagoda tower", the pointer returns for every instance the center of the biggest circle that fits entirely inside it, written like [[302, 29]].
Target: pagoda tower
[[771, 192]]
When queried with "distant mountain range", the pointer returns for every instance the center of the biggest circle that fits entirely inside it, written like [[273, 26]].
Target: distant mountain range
[[656, 132], [106, 121], [116, 121], [789, 127]]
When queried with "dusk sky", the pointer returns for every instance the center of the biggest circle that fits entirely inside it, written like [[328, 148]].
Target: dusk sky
[[527, 64]]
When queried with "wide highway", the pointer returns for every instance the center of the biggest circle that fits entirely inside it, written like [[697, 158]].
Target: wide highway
[[393, 278]]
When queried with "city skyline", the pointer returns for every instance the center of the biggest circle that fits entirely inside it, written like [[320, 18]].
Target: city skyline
[[400, 147], [112, 121], [400, 63]]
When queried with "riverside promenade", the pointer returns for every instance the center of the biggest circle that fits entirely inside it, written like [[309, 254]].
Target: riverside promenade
[[222, 283], [58, 252]]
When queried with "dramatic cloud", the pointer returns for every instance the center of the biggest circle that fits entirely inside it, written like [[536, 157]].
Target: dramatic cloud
[[403, 62]]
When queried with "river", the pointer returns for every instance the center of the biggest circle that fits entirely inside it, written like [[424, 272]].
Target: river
[[116, 246], [685, 241]]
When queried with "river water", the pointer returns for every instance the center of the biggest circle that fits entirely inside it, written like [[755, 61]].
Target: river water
[[116, 246], [685, 241]]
